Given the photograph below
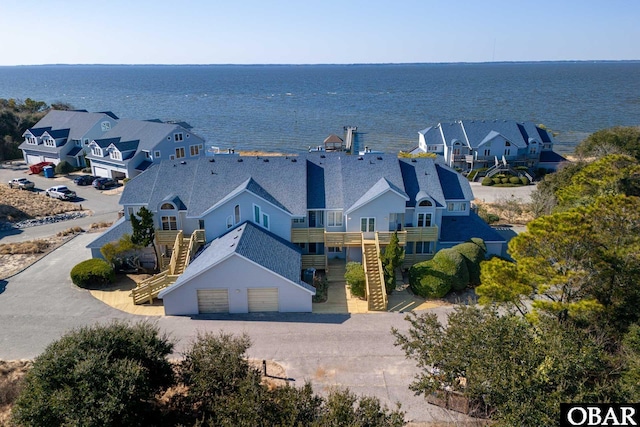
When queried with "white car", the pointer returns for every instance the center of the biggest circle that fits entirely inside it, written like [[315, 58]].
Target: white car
[[60, 192], [22, 183]]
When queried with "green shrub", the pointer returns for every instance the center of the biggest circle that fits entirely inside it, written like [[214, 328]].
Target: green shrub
[[478, 241], [64, 168], [104, 375], [514, 180], [487, 181], [504, 180], [496, 180], [92, 272], [125, 180], [524, 180], [425, 280], [355, 279], [453, 264], [473, 255]]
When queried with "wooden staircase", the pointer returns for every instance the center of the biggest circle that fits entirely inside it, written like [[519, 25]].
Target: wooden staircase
[[183, 250], [376, 292]]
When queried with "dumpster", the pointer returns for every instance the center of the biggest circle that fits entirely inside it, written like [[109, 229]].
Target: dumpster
[[37, 168], [48, 171]]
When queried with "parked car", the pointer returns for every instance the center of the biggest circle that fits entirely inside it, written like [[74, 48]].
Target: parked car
[[60, 192], [102, 183], [21, 183], [84, 179]]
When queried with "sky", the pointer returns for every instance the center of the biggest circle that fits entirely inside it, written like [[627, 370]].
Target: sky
[[315, 32]]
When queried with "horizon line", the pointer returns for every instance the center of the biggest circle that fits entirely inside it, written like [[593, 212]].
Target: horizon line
[[325, 64]]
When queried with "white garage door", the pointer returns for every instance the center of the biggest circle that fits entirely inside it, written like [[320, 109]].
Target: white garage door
[[213, 301], [52, 160], [101, 172], [32, 160], [262, 299]]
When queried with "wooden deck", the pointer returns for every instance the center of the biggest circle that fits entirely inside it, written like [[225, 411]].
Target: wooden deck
[[351, 238]]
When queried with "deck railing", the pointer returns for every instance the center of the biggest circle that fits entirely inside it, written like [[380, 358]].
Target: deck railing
[[381, 272], [149, 289], [166, 237], [176, 252], [314, 261], [354, 238]]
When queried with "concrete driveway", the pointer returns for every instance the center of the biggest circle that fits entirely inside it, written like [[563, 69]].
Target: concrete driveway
[[40, 304]]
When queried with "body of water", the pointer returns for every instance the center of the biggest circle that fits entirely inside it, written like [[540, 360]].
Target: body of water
[[288, 107]]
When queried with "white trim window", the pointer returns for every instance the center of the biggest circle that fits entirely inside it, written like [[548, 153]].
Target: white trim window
[[424, 219], [96, 151], [456, 206], [299, 220], [424, 247], [335, 249], [261, 218], [334, 219], [229, 221], [180, 152], [169, 222], [178, 137], [156, 154], [236, 214], [49, 142], [194, 150], [367, 224], [116, 155]]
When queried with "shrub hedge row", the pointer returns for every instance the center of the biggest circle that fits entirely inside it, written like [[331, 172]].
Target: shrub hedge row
[[450, 269], [93, 271]]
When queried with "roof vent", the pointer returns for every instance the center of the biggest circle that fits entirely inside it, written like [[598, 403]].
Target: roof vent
[[212, 160], [379, 157], [213, 173], [239, 160], [360, 158], [174, 165], [266, 160], [322, 156], [183, 162], [293, 160], [413, 160]]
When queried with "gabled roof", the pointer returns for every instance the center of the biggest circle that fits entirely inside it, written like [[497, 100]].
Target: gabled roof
[[421, 179], [333, 139], [105, 142], [204, 182], [58, 133], [78, 122], [378, 189], [124, 146], [37, 131], [147, 133], [454, 185], [253, 243]]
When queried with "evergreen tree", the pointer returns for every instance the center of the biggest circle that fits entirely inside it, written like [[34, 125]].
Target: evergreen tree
[[392, 259], [144, 230]]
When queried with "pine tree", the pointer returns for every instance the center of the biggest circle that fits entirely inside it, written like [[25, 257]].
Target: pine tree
[[144, 230], [392, 259]]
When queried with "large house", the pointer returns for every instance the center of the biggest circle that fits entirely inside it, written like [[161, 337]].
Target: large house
[[133, 145], [116, 148], [471, 144], [63, 135], [298, 210]]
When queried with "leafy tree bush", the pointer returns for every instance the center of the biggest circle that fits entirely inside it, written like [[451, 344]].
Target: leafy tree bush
[[517, 371], [524, 180], [453, 264], [473, 255], [224, 390], [93, 271], [615, 140], [355, 279], [514, 180], [478, 241], [121, 254], [496, 180], [97, 376], [144, 230], [392, 259], [64, 167], [504, 180], [427, 281], [487, 181]]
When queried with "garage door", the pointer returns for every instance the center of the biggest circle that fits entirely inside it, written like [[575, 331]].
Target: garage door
[[101, 172], [213, 301], [262, 299], [32, 160]]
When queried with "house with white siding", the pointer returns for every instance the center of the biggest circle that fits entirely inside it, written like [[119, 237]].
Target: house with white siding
[[318, 209]]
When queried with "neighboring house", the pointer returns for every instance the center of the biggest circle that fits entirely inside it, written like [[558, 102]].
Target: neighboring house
[[133, 145], [472, 144], [63, 135], [248, 269]]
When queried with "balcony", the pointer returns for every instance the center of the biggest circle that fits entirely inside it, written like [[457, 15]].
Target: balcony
[[354, 238]]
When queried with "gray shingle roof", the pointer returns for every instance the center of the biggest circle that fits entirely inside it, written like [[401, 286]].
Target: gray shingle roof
[[202, 183], [148, 133], [254, 243], [463, 228], [421, 177], [454, 185], [78, 122], [113, 233]]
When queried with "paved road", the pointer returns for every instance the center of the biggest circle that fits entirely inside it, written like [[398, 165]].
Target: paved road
[[102, 205], [40, 304]]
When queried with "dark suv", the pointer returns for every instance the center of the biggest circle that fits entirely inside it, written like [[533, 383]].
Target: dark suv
[[102, 183], [84, 179]]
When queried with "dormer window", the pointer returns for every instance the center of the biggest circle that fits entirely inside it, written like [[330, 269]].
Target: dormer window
[[177, 137], [32, 140], [116, 155], [96, 151], [105, 126], [167, 207], [50, 142], [425, 203]]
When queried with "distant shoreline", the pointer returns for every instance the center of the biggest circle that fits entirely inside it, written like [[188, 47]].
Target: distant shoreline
[[362, 64]]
